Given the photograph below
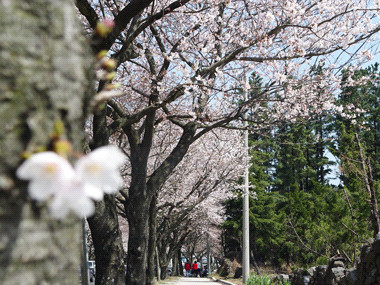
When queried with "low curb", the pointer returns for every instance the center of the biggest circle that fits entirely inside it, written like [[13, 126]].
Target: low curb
[[222, 281]]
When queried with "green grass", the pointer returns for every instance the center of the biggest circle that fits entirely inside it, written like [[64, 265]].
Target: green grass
[[264, 280]]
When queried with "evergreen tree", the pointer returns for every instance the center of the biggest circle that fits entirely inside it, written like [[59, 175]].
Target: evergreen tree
[[266, 223], [298, 216], [358, 148]]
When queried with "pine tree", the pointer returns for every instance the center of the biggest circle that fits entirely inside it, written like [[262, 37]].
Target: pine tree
[[358, 148]]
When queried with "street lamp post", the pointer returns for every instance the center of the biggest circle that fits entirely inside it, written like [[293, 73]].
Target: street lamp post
[[245, 263]]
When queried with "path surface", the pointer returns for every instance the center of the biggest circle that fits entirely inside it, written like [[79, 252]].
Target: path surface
[[191, 281]]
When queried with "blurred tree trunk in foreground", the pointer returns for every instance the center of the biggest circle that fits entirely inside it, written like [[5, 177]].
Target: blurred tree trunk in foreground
[[44, 80]]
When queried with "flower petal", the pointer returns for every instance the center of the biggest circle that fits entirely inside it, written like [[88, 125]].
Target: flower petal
[[93, 192], [40, 190], [44, 165], [84, 207], [110, 155], [58, 208], [112, 183], [100, 168], [47, 171], [72, 197]]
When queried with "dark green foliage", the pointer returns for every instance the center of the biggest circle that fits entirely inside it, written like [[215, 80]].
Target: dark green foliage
[[290, 198], [365, 126], [365, 123], [264, 280], [299, 217]]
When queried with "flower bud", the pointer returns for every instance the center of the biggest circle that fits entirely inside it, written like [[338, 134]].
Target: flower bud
[[112, 86], [111, 75], [59, 128], [101, 54], [62, 147], [104, 28], [109, 64]]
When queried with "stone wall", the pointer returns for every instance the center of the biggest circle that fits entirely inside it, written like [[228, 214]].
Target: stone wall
[[367, 271]]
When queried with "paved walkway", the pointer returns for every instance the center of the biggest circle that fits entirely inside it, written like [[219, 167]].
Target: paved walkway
[[191, 281]]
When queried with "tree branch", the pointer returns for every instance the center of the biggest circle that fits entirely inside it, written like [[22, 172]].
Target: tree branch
[[134, 8], [88, 12]]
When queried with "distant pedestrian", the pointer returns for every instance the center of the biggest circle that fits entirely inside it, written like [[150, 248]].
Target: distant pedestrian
[[199, 270], [92, 275], [195, 268], [204, 271], [188, 268]]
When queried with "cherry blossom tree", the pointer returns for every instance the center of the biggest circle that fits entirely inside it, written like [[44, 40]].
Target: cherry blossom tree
[[190, 201], [182, 63]]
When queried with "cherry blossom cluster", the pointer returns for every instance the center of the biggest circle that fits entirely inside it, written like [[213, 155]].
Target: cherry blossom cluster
[[281, 41], [67, 188], [213, 164]]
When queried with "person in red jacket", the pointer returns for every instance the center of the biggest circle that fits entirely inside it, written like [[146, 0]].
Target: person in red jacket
[[195, 268], [188, 268]]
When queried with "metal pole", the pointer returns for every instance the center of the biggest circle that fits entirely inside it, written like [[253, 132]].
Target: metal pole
[[245, 263], [208, 254], [158, 265], [84, 267]]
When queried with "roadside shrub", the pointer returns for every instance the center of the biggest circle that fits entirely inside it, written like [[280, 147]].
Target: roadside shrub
[[264, 280]]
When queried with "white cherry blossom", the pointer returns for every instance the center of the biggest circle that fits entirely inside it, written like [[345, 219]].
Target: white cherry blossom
[[47, 172], [67, 188], [100, 169], [72, 196]]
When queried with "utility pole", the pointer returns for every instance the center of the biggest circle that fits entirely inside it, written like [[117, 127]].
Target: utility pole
[[245, 263], [84, 267], [208, 253]]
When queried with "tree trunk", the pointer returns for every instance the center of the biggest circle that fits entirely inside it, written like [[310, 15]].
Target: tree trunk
[[164, 259], [44, 78], [158, 266], [175, 265], [164, 268], [142, 192], [138, 217], [152, 241], [368, 182], [180, 266], [106, 236], [104, 225]]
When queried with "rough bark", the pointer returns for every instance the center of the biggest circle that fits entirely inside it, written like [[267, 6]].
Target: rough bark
[[138, 217], [142, 192], [152, 241], [44, 78], [104, 225], [106, 236], [158, 265]]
